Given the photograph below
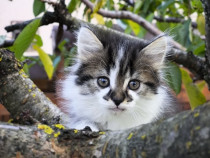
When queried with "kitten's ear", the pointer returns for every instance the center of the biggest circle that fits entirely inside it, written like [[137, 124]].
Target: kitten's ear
[[156, 51], [87, 43]]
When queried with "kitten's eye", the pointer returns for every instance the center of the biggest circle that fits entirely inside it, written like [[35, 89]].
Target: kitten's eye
[[103, 82], [134, 84]]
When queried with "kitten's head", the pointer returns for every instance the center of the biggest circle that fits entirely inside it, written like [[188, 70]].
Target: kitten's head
[[117, 76]]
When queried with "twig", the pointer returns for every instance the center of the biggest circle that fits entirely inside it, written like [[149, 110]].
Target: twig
[[166, 139], [173, 20], [194, 63], [206, 6]]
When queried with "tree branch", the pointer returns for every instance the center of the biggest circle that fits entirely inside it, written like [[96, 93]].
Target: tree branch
[[48, 18], [129, 15], [206, 6], [21, 97], [194, 64], [185, 135], [173, 20]]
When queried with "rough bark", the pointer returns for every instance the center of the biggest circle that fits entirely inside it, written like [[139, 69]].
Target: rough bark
[[21, 97], [194, 63], [185, 135], [206, 6]]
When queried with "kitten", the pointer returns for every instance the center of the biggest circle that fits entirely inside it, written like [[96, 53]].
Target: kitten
[[116, 82]]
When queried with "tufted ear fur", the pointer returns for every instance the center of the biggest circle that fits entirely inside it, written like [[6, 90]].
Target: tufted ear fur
[[87, 43], [156, 51]]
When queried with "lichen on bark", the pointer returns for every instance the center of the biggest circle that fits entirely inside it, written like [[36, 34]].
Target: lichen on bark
[[21, 97]]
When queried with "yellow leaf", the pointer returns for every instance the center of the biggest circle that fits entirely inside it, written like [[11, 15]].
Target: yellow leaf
[[195, 96], [98, 5], [135, 27], [98, 18], [47, 62], [201, 24]]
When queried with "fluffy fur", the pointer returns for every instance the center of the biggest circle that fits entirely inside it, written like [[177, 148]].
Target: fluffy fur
[[121, 59]]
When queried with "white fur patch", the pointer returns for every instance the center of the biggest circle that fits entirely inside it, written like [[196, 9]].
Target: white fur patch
[[93, 110], [114, 72]]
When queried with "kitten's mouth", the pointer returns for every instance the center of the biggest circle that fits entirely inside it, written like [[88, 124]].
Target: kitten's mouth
[[116, 109]]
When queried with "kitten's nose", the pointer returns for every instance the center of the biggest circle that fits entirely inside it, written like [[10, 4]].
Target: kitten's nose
[[117, 101], [117, 97]]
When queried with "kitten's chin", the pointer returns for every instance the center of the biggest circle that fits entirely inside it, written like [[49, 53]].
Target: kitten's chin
[[117, 109]]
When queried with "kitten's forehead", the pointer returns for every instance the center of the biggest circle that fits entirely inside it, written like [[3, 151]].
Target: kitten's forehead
[[120, 58], [115, 80]]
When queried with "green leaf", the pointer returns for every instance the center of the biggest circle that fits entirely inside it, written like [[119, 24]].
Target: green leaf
[[142, 32], [165, 4], [182, 33], [38, 40], [128, 30], [137, 6], [98, 5], [150, 17], [194, 94], [134, 26], [110, 4], [201, 85], [147, 4], [197, 5], [72, 5], [201, 24], [164, 26], [25, 38], [200, 50], [38, 7], [108, 23], [26, 69], [98, 18], [46, 61], [61, 45], [173, 76]]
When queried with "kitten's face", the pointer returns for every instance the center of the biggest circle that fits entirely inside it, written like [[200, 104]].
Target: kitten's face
[[116, 78]]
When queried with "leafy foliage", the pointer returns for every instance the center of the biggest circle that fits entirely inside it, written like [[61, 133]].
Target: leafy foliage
[[173, 76], [194, 94], [38, 7], [47, 62], [25, 38], [72, 5]]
